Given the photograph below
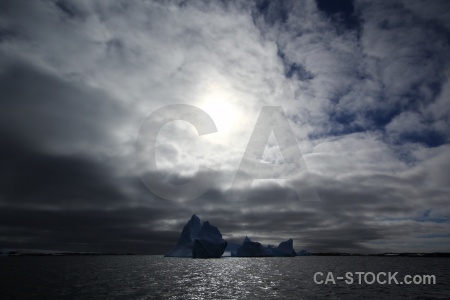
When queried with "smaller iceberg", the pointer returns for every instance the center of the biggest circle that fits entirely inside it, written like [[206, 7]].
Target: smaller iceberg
[[285, 249], [255, 249], [252, 249], [303, 253]]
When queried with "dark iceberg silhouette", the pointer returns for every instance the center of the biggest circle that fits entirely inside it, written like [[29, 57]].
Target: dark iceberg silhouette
[[209, 243], [285, 249], [255, 249], [252, 249], [199, 241], [303, 253], [183, 247]]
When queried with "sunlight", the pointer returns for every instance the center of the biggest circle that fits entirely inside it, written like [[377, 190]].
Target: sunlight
[[218, 103]]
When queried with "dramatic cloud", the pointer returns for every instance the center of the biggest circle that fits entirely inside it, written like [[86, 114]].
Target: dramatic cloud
[[365, 87]]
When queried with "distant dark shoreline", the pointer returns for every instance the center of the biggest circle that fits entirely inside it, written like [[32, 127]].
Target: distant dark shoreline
[[56, 254], [16, 254], [405, 254]]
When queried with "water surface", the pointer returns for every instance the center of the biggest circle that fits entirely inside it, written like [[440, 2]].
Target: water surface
[[155, 277]]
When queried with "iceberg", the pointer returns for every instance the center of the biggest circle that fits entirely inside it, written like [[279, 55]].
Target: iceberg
[[285, 249], [252, 249], [183, 248], [199, 241], [255, 249], [209, 243], [303, 253]]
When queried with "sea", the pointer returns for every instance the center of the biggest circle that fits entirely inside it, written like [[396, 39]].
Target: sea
[[156, 277]]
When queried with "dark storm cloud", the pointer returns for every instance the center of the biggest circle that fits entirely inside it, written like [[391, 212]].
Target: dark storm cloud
[[56, 191], [48, 112], [51, 131], [342, 11], [125, 229], [353, 214]]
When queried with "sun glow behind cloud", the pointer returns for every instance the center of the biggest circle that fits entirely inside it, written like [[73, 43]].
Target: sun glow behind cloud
[[218, 101]]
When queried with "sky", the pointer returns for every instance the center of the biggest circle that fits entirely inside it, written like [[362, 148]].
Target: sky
[[364, 87]]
